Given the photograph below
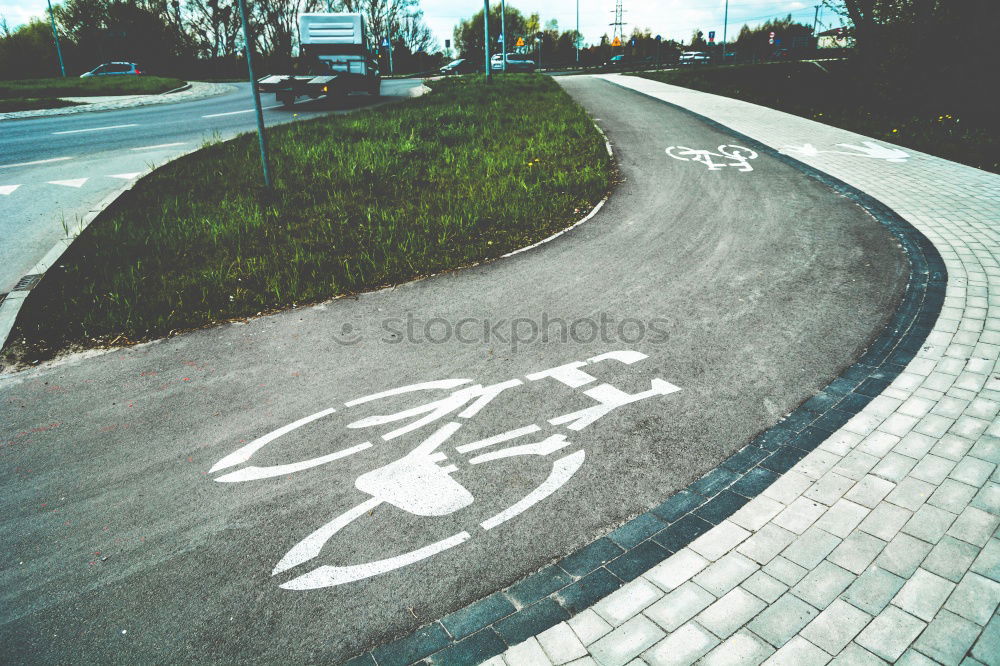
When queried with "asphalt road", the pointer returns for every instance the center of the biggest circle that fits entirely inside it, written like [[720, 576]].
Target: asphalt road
[[138, 526], [88, 155]]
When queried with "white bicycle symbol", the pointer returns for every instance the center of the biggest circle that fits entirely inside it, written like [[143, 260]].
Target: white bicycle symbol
[[738, 156], [421, 482]]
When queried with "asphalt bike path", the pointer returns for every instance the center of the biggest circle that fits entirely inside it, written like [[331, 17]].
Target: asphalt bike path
[[307, 485]]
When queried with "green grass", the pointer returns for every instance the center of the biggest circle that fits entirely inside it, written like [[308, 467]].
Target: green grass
[[29, 103], [950, 119], [466, 173], [89, 87]]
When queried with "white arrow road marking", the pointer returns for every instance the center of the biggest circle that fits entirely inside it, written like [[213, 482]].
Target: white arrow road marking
[[126, 176], [76, 182], [162, 145], [21, 164], [96, 129], [7, 189]]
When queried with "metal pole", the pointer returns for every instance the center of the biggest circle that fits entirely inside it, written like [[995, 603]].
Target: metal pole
[[503, 32], [55, 34], [389, 39], [725, 25], [256, 95], [578, 31], [486, 39], [815, 19]]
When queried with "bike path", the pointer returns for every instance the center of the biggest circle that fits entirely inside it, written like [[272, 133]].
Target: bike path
[[155, 511]]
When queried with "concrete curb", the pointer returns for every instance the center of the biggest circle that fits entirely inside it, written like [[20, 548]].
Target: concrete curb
[[186, 86]]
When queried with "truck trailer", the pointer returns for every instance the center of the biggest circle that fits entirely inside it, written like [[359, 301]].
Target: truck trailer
[[335, 54]]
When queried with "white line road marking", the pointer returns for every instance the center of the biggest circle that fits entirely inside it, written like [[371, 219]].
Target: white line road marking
[[233, 113], [7, 189], [97, 129], [21, 164], [162, 145], [126, 176], [76, 182]]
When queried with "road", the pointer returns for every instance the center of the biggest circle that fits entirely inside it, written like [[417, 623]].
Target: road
[[226, 495], [55, 169]]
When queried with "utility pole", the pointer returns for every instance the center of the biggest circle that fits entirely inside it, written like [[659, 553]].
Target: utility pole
[[725, 25], [256, 95], [503, 33], [618, 25], [816, 18], [55, 34], [486, 39]]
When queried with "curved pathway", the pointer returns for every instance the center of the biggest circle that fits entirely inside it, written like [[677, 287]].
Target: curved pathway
[[881, 545], [265, 481]]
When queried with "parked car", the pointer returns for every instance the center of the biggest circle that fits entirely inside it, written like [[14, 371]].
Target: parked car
[[114, 69], [693, 58], [461, 66], [515, 63], [628, 61]]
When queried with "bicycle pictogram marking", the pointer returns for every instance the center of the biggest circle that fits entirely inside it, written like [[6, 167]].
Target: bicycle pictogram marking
[[726, 156]]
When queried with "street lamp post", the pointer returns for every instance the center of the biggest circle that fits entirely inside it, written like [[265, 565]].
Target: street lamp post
[[256, 95], [486, 39], [725, 24], [503, 33], [577, 32], [55, 35]]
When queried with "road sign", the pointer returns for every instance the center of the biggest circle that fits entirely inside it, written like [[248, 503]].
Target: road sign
[[711, 35], [385, 42], [658, 38], [447, 43], [617, 42], [771, 39], [520, 41]]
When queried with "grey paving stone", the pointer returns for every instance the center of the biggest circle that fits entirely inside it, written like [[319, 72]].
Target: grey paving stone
[[811, 547], [894, 467], [855, 655], [857, 551], [741, 648], [799, 515], [786, 571], [929, 523], [823, 584], [588, 626], [626, 642], [915, 445], [878, 443], [764, 587], [766, 543], [947, 638], [829, 488], [679, 606], [841, 518], [869, 491], [856, 464], [682, 647], [885, 521], [988, 498], [972, 471], [988, 562], [952, 496], [974, 526], [950, 558], [975, 598], [923, 594], [836, 626], [528, 653], [889, 634], [561, 645], [782, 620], [932, 469], [987, 647], [798, 652], [952, 447], [911, 493], [873, 590], [719, 540], [903, 555], [788, 487], [726, 573], [676, 569], [934, 425], [987, 448], [913, 658], [627, 601], [757, 513], [730, 612]]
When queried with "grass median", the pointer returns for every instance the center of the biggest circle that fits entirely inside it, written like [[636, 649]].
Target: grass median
[[93, 86], [949, 119], [466, 173], [10, 104]]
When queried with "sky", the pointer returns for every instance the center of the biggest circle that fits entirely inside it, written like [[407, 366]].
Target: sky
[[673, 19]]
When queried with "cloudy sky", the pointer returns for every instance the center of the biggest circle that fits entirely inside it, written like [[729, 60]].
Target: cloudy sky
[[673, 19]]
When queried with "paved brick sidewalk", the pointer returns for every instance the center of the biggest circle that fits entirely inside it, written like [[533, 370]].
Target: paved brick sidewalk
[[881, 545]]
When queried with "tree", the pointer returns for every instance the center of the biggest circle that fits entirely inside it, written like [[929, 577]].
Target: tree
[[29, 52], [468, 34]]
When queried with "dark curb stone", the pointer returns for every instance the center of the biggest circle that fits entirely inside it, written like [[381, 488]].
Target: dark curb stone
[[580, 579]]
